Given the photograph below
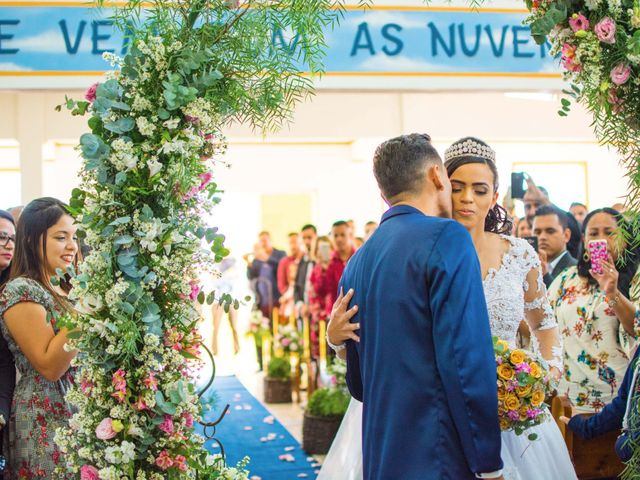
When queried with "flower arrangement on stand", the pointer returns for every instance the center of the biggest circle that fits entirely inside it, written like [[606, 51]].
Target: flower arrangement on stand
[[147, 180], [287, 340], [598, 42], [524, 383]]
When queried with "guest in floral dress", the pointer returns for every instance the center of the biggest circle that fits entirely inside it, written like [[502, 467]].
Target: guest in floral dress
[[7, 366], [30, 306], [598, 315]]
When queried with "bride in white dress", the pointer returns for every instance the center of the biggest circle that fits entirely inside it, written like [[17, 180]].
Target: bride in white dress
[[514, 291]]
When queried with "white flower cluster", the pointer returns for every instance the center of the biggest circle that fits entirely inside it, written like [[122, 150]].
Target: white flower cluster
[[123, 155]]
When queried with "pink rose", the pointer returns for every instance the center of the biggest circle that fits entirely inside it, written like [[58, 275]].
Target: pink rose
[[620, 74], [285, 342], [105, 431], [89, 472], [90, 94], [167, 425], [578, 22], [606, 30]]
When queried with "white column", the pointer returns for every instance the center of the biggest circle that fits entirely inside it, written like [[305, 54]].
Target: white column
[[31, 136]]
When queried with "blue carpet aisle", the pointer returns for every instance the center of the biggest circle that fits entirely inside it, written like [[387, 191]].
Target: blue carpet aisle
[[247, 430]]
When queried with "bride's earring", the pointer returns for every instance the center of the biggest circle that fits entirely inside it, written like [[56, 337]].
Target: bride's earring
[[586, 256]]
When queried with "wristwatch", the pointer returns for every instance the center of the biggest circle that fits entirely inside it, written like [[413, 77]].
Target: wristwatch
[[336, 348]]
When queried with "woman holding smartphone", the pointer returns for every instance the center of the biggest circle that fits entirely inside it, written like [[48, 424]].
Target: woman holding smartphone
[[597, 306]]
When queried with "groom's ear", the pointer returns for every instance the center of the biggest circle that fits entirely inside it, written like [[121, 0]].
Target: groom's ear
[[434, 175]]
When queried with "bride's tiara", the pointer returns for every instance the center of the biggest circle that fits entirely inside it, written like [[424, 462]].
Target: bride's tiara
[[469, 147]]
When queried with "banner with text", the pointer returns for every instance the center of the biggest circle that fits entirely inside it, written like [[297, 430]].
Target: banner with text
[[419, 47]]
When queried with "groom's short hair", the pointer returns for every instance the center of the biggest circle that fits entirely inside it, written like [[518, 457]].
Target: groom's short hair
[[399, 164]]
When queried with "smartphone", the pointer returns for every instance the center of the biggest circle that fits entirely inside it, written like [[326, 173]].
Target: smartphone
[[518, 185], [533, 241], [597, 253], [324, 252]]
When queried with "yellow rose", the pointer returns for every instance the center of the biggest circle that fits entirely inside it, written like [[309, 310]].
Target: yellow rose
[[523, 391], [523, 412], [502, 392], [502, 411], [536, 371], [517, 356], [512, 402], [502, 345], [504, 424], [505, 371], [537, 398]]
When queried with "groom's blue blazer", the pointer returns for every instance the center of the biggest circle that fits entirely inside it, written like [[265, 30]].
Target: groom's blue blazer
[[424, 367]]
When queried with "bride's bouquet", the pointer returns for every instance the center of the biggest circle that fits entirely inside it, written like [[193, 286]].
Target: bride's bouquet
[[523, 384]]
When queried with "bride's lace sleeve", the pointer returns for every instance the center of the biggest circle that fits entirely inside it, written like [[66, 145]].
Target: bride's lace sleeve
[[539, 315]]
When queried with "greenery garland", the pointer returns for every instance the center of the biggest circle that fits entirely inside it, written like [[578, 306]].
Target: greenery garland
[[147, 181], [598, 42]]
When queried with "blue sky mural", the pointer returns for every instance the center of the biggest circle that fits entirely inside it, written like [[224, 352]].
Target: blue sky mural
[[72, 39]]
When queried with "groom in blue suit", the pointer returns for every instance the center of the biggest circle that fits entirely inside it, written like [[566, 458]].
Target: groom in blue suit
[[424, 367]]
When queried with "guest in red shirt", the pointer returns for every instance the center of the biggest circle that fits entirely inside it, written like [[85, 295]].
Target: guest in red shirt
[[344, 249], [296, 251]]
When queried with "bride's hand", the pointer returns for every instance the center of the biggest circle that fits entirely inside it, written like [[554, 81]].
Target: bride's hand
[[556, 374], [340, 329]]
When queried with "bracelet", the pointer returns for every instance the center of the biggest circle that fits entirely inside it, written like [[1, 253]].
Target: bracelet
[[335, 348], [614, 301]]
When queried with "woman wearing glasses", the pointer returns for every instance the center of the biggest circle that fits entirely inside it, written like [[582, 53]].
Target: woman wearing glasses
[[7, 367]]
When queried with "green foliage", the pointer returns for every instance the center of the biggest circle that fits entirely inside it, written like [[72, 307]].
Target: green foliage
[[253, 62], [279, 367], [328, 402]]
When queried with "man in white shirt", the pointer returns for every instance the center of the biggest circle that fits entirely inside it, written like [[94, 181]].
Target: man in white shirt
[[551, 227]]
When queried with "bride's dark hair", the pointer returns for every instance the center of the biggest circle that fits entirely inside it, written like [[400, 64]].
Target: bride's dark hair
[[470, 150]]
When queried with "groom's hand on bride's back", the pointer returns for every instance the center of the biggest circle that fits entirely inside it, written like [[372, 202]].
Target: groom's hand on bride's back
[[340, 328]]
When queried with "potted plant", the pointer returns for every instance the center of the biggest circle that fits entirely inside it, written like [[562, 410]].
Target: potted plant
[[277, 383], [322, 418]]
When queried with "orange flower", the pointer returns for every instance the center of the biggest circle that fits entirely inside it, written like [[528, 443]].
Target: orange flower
[[517, 356], [523, 391], [536, 371], [523, 412], [504, 424], [502, 392], [512, 402], [537, 398], [505, 371]]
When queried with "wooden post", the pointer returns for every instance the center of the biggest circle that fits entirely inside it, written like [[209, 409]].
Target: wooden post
[[275, 319], [322, 333], [306, 333]]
